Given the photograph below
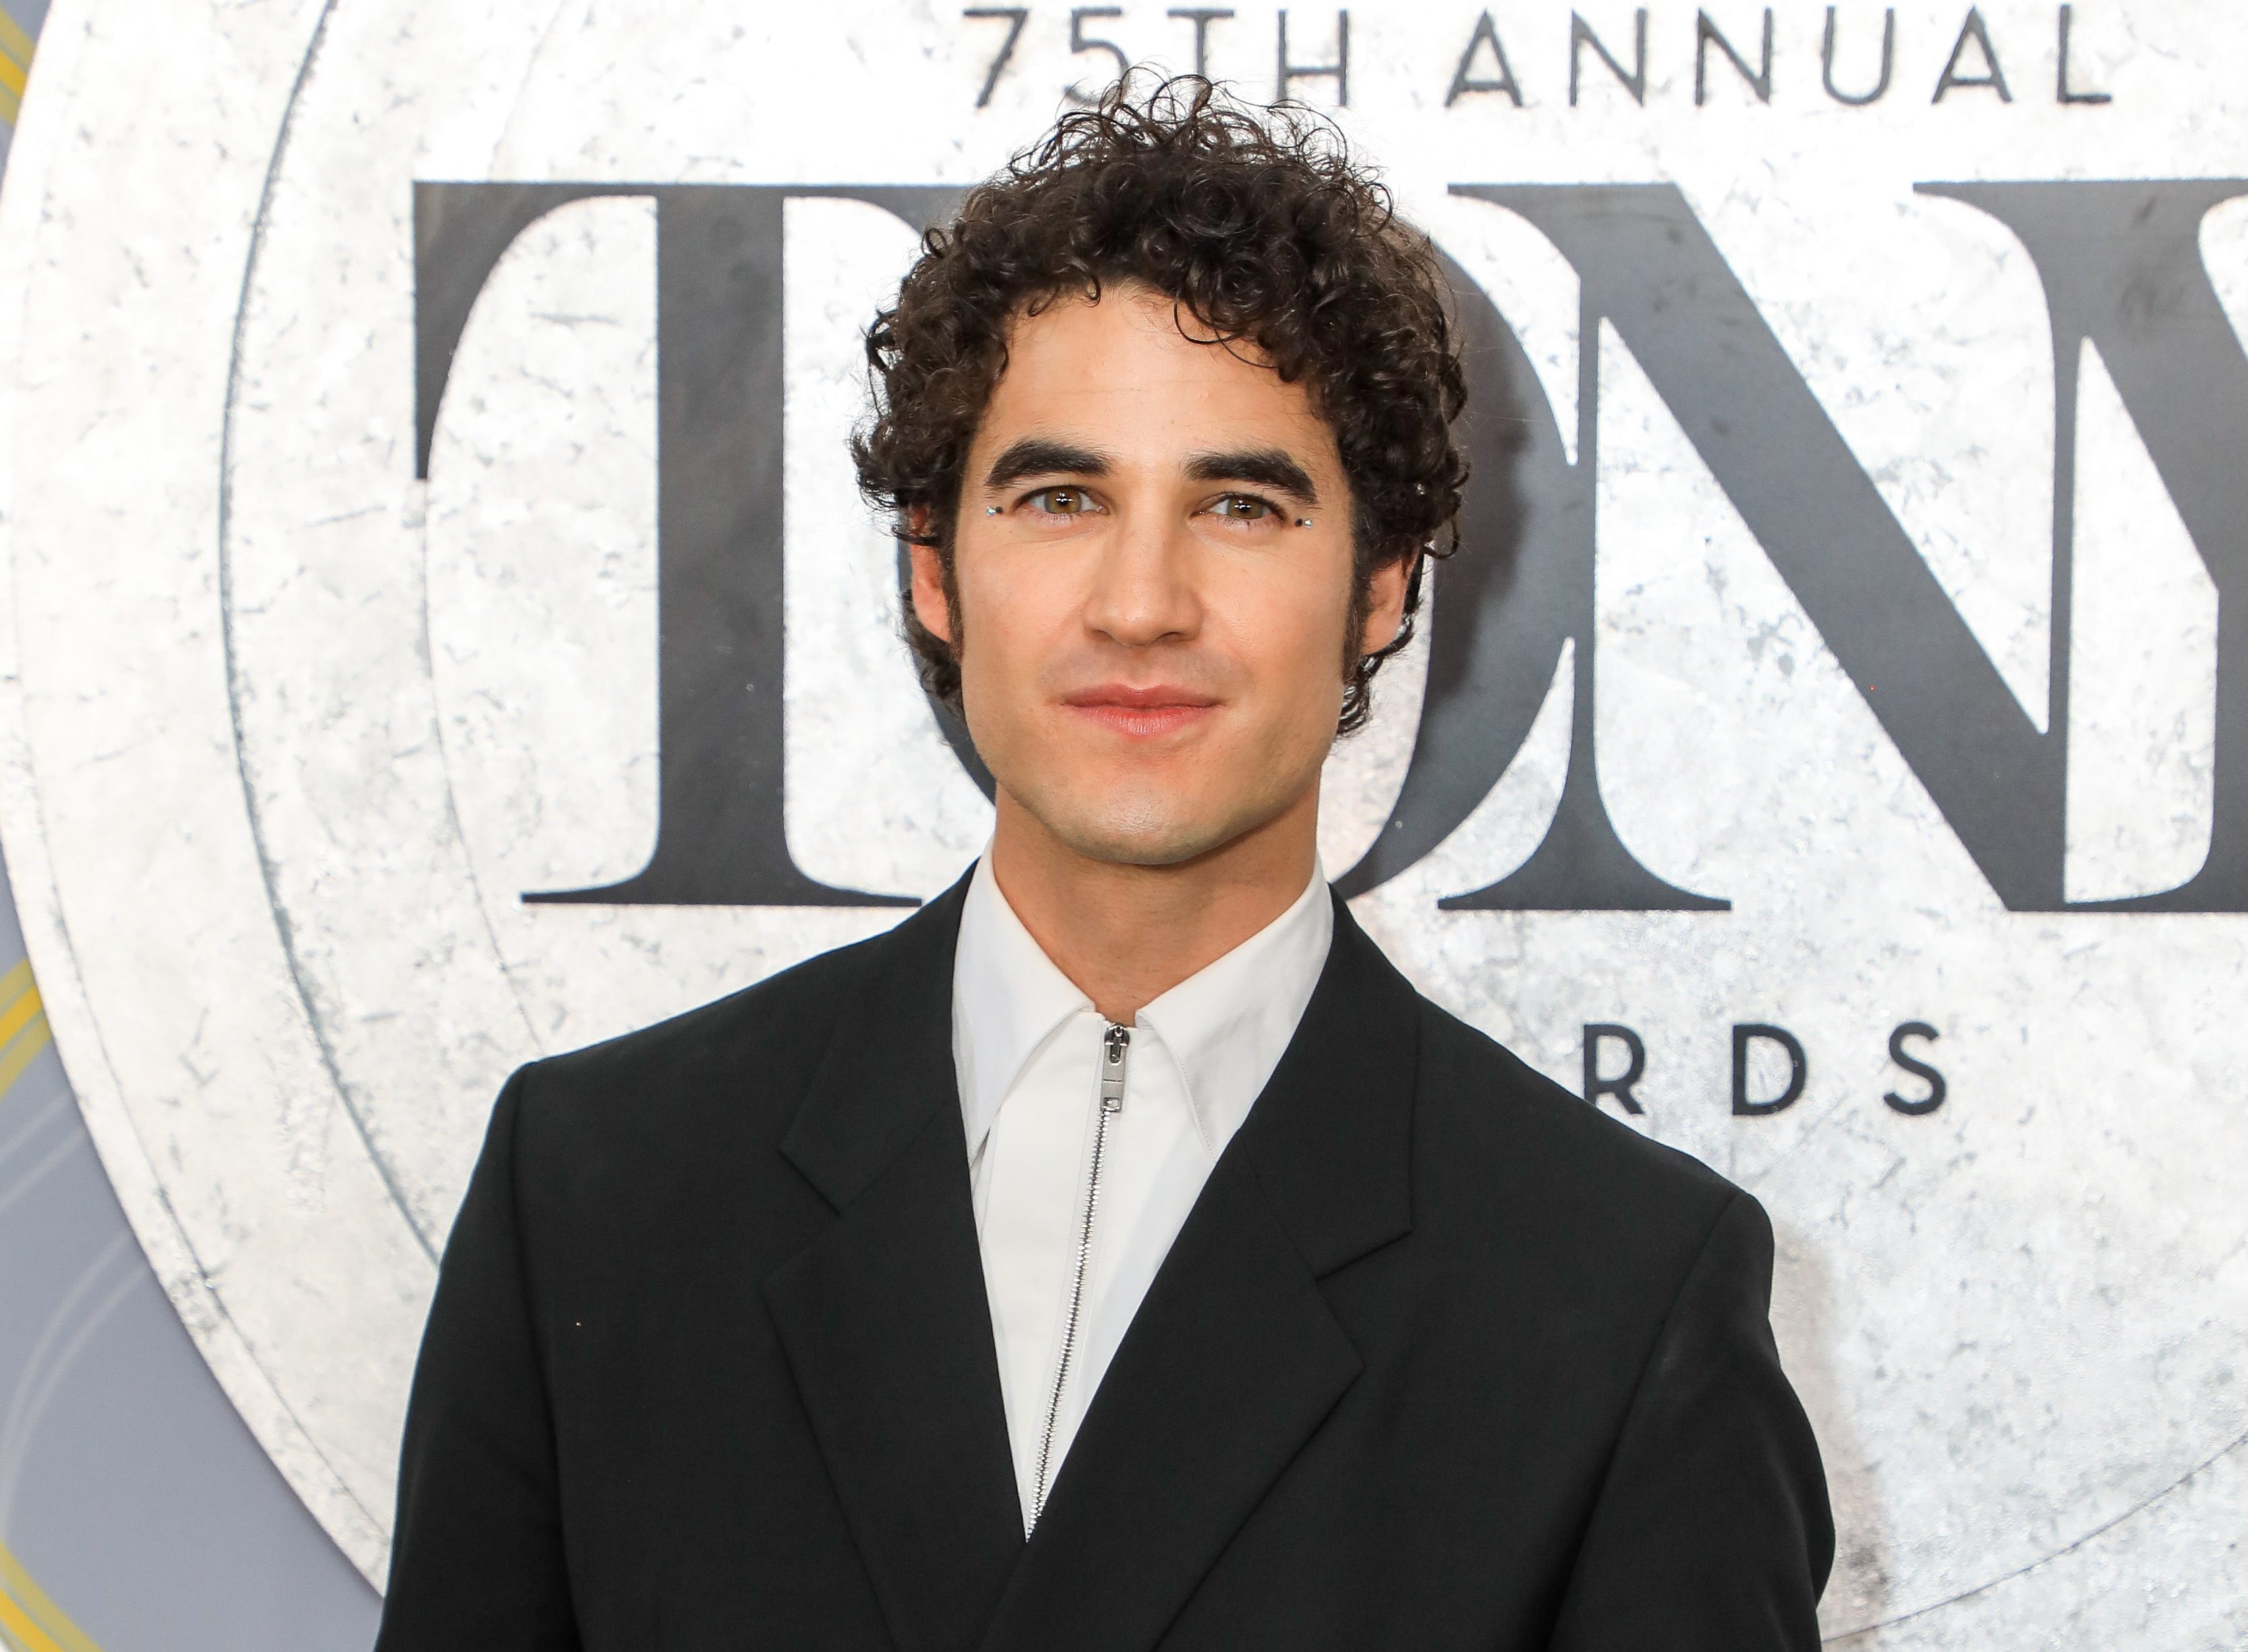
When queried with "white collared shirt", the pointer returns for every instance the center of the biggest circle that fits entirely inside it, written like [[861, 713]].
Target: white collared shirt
[[1027, 1046]]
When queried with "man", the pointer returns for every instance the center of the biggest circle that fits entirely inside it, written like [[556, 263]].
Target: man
[[1119, 1252]]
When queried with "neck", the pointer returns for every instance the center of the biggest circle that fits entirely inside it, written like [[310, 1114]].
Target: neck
[[1124, 934]]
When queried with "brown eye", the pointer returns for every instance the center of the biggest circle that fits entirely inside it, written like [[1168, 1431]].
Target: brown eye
[[1058, 501], [1243, 508]]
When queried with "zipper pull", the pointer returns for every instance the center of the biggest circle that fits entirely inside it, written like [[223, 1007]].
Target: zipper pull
[[1115, 1045]]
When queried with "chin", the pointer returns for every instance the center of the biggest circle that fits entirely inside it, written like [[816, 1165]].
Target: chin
[[1154, 808], [1143, 830], [1132, 842]]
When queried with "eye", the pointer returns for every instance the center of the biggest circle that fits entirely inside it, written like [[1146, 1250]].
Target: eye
[[1244, 508], [1060, 502]]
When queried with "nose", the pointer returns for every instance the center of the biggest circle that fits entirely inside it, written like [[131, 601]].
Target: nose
[[1143, 589]]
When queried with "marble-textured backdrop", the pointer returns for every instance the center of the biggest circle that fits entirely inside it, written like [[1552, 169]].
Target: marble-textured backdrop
[[285, 733]]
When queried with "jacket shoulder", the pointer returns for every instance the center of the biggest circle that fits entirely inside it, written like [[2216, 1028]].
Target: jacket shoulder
[[1488, 1121], [756, 1049]]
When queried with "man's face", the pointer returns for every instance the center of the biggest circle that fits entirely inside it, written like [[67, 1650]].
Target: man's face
[[1153, 562]]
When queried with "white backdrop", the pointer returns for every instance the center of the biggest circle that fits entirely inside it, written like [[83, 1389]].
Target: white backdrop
[[285, 733]]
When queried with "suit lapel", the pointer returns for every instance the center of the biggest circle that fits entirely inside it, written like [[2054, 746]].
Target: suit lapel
[[1234, 1358], [884, 1318]]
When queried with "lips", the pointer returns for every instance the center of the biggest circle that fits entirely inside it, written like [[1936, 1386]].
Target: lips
[[1141, 712]]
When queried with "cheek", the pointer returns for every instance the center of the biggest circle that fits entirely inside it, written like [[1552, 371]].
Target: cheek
[[1287, 620], [1013, 610]]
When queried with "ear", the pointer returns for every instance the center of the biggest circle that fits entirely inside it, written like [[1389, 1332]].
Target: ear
[[927, 588], [1385, 606]]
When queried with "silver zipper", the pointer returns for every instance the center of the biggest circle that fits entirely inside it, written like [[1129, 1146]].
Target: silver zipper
[[1115, 1048]]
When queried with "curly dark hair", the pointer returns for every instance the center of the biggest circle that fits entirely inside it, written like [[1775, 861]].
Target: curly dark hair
[[1260, 224]]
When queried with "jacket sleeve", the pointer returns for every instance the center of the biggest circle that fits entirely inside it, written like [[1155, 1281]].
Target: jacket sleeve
[[1711, 1533], [476, 1559]]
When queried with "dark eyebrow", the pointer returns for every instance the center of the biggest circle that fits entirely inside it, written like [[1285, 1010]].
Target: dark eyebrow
[[1267, 467], [1044, 456]]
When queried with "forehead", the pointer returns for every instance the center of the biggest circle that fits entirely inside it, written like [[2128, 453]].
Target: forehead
[[1121, 368]]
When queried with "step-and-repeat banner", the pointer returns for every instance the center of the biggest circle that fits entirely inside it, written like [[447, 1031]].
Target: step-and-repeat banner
[[441, 629]]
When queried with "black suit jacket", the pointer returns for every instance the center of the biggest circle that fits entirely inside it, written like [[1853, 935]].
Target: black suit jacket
[[1441, 1358]]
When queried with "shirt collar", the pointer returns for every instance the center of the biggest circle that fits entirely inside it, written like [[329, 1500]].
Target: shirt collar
[[1008, 999], [1226, 1026]]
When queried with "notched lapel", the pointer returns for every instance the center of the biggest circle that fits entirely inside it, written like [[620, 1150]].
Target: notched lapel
[[1230, 1366], [884, 1317], [1234, 1359]]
